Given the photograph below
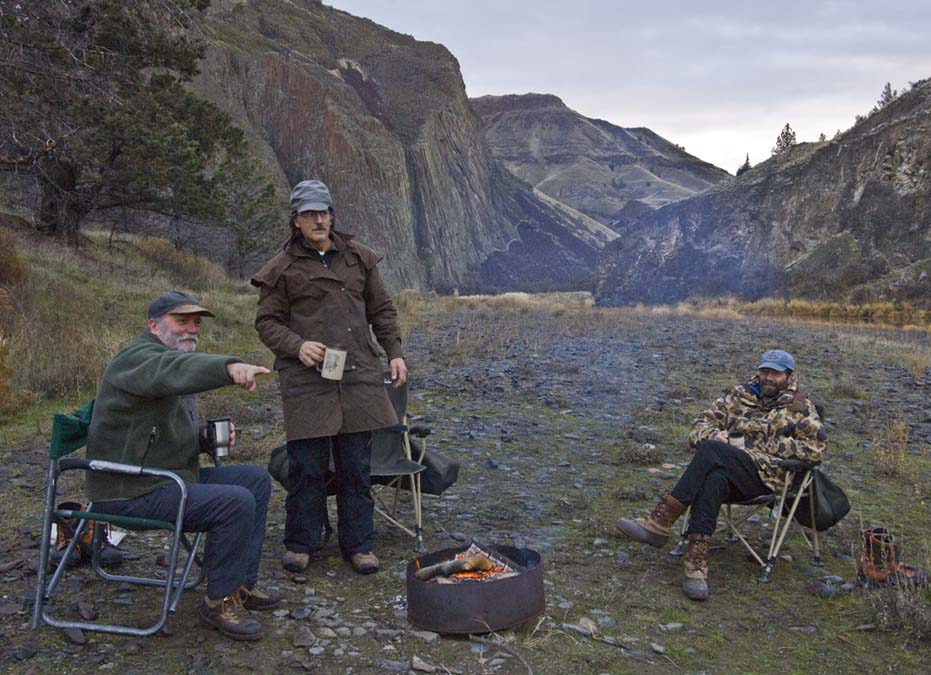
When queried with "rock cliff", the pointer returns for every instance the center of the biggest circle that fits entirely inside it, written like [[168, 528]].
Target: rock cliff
[[848, 218], [383, 119], [604, 171]]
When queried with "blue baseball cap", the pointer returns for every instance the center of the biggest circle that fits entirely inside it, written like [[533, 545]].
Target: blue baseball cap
[[776, 359]]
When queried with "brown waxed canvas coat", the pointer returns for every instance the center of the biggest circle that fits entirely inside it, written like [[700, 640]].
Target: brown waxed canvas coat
[[787, 428], [300, 299]]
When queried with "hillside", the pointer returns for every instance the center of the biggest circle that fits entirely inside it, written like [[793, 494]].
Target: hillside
[[607, 172], [384, 120], [848, 218]]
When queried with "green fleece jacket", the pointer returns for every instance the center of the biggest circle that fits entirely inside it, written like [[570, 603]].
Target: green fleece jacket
[[144, 415]]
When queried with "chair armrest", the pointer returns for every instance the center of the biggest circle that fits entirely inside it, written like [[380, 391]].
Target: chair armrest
[[80, 463], [420, 432], [796, 465]]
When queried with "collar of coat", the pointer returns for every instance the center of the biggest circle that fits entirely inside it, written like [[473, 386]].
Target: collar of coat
[[793, 396], [298, 246], [351, 251]]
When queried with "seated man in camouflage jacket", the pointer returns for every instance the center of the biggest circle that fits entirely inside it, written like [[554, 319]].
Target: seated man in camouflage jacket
[[737, 442]]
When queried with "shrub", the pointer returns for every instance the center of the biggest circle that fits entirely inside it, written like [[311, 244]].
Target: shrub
[[7, 402], [905, 606], [190, 270], [892, 459], [12, 267]]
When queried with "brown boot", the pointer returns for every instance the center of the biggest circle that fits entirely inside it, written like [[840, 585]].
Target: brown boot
[[229, 617], [695, 564], [294, 561], [257, 599], [364, 563], [655, 528], [879, 558]]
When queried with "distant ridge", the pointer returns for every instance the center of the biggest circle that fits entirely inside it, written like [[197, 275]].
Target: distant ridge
[[846, 219], [609, 173]]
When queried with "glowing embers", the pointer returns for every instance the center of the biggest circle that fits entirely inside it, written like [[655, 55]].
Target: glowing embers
[[476, 563]]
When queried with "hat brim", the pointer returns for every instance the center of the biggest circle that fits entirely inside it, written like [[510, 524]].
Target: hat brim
[[189, 309], [769, 365], [311, 206]]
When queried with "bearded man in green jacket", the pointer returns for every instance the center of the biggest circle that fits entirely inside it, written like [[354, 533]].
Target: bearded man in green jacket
[[145, 415]]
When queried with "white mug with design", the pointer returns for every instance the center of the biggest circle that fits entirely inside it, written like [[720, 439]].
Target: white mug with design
[[334, 362]]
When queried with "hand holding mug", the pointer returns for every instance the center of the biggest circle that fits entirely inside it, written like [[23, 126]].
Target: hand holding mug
[[311, 353]]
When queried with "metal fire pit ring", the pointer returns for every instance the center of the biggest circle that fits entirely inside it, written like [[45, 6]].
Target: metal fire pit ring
[[480, 606]]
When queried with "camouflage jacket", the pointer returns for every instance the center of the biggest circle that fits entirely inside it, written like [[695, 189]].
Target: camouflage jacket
[[788, 427]]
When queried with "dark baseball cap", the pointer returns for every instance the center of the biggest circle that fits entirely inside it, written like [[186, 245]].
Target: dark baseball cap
[[175, 302], [310, 195], [776, 359]]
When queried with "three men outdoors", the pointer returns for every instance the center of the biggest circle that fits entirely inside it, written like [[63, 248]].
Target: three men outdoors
[[322, 293]]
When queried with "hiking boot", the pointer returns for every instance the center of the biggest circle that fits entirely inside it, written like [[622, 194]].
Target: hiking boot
[[229, 617], [294, 561], [695, 564], [364, 563], [655, 528], [257, 599]]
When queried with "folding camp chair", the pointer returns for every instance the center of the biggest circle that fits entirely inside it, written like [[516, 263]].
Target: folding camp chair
[[798, 485], [397, 462], [69, 433]]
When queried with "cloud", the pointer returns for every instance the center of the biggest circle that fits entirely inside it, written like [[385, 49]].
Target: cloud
[[720, 78]]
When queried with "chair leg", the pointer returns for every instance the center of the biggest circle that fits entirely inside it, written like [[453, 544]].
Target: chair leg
[[679, 549], [45, 545], [731, 528]]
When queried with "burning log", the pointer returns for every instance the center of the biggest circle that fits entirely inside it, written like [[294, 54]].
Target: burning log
[[476, 563]]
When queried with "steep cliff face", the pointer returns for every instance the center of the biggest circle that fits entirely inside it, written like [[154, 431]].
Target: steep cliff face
[[383, 119], [849, 218], [602, 170]]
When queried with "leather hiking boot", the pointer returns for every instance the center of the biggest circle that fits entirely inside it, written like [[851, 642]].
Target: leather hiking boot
[[229, 617], [294, 561], [256, 599], [695, 564], [655, 528], [364, 563]]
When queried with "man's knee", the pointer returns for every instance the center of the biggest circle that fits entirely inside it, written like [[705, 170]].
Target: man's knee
[[256, 480], [239, 502]]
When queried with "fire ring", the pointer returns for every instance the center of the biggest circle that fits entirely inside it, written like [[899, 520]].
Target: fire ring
[[476, 606]]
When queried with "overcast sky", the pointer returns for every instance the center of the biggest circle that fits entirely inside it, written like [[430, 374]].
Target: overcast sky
[[720, 78]]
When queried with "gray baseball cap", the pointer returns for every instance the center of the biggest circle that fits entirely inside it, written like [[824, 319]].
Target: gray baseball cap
[[175, 302], [776, 359], [310, 195]]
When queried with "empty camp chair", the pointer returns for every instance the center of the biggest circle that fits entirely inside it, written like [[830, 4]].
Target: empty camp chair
[[397, 462], [783, 506], [69, 433]]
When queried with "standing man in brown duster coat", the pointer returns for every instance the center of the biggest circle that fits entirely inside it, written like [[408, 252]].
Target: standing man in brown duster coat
[[323, 290]]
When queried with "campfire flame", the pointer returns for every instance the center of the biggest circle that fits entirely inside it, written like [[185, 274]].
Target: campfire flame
[[499, 566]]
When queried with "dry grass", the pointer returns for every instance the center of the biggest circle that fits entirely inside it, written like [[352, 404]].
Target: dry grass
[[78, 307], [905, 606], [900, 315]]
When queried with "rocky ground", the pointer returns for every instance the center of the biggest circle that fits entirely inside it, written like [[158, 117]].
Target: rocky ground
[[563, 419]]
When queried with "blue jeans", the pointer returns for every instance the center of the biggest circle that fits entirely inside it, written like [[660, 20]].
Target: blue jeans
[[305, 505], [229, 504]]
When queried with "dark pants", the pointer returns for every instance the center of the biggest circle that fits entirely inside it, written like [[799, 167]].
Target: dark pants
[[718, 473], [229, 504], [308, 461]]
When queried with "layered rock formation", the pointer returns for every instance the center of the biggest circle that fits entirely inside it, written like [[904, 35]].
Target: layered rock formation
[[612, 174], [847, 218], [383, 119]]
